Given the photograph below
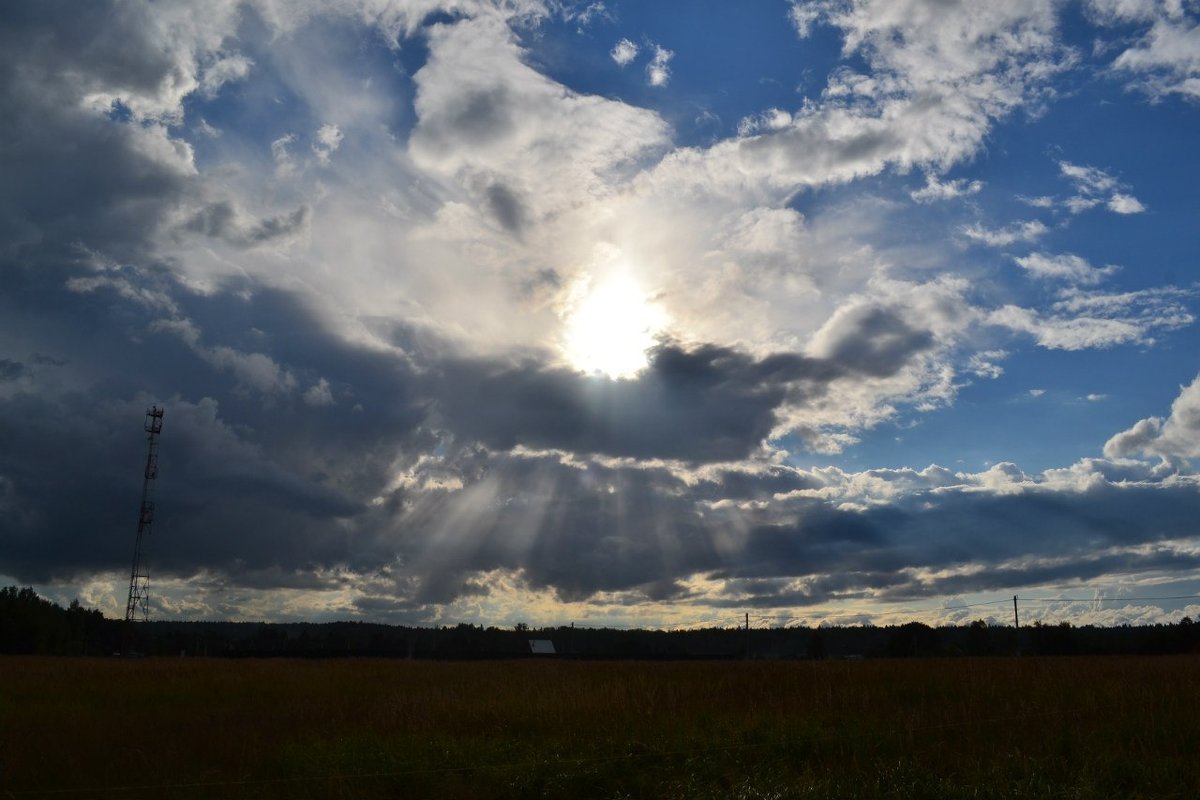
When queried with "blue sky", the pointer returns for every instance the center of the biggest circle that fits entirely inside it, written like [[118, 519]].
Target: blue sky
[[621, 312]]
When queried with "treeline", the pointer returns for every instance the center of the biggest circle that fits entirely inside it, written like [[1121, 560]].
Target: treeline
[[30, 624]]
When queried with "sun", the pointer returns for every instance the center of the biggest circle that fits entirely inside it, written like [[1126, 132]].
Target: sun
[[610, 324]]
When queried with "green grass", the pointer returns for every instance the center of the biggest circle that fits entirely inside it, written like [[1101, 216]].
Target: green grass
[[964, 728]]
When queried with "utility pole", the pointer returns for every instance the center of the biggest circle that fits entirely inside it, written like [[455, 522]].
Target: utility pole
[[1016, 625], [747, 635], [138, 606]]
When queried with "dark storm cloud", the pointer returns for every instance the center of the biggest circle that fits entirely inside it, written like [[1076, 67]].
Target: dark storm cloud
[[10, 370], [875, 341], [74, 471], [736, 484], [74, 177], [706, 404], [1060, 536], [83, 196], [575, 531], [82, 47], [392, 467], [246, 482], [252, 483], [507, 207], [1082, 568], [223, 220], [580, 531], [259, 485], [268, 488], [271, 491]]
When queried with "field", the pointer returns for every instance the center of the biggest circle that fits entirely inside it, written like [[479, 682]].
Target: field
[[977, 728]]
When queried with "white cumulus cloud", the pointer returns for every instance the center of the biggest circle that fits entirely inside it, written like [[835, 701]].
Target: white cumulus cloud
[[328, 140], [1064, 267], [658, 71], [1027, 231], [1177, 436], [1125, 204], [624, 52], [935, 190]]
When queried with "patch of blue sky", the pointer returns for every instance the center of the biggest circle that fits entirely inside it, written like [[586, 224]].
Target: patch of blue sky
[[285, 87], [729, 61], [1049, 409]]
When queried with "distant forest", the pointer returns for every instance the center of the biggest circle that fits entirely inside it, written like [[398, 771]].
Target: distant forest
[[31, 624]]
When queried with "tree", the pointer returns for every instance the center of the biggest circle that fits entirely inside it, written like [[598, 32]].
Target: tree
[[979, 639], [914, 639]]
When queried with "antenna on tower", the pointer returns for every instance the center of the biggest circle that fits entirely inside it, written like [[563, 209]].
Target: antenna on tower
[[138, 606]]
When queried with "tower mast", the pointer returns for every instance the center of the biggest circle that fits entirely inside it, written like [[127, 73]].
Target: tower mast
[[138, 606]]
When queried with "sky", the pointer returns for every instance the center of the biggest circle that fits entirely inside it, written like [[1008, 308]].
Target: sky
[[619, 313]]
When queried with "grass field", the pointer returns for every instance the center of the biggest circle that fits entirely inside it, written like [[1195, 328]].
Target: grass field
[[969, 728]]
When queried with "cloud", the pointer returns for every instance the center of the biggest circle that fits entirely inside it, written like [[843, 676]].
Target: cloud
[[658, 71], [864, 552], [1125, 204], [120, 53], [207, 461], [1162, 60], [939, 77], [587, 14], [224, 220], [10, 369], [375, 522], [900, 534], [369, 409], [284, 165], [1082, 319], [985, 364], [319, 394], [1042, 201], [487, 119], [804, 14], [1088, 180], [1177, 436], [870, 339], [935, 190], [328, 140], [1092, 184], [773, 119], [1028, 231], [225, 69], [624, 52], [709, 403], [72, 174], [1065, 267]]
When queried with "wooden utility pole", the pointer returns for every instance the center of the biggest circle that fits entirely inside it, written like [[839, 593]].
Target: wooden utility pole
[[1016, 625], [747, 635]]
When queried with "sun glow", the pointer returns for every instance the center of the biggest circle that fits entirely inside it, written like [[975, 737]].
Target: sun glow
[[610, 324]]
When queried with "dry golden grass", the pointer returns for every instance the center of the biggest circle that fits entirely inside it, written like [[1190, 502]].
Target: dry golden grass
[[1079, 728]]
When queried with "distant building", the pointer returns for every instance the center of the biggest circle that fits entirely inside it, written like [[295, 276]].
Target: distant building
[[542, 647]]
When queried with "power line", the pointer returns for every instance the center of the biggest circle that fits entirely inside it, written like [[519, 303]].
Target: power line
[[1106, 599], [971, 605]]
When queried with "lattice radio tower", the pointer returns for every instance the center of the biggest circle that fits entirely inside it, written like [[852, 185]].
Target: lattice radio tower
[[138, 607]]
